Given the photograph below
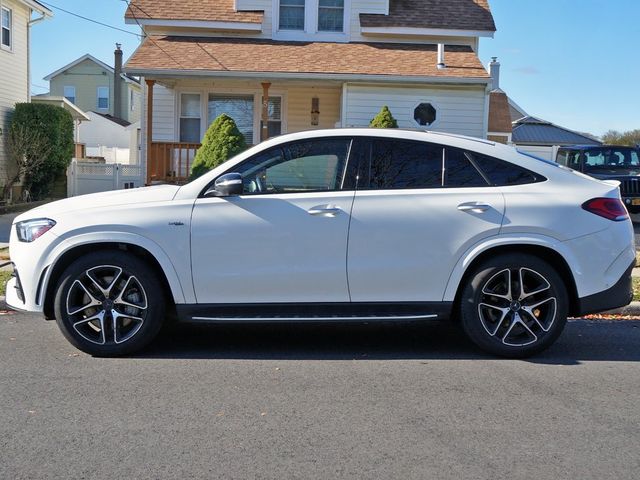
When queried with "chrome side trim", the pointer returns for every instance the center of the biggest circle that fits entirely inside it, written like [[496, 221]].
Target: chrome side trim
[[292, 319]]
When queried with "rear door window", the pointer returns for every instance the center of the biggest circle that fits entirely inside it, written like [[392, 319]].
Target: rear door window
[[404, 164]]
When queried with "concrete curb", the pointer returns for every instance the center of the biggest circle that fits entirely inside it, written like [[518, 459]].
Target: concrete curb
[[632, 309]]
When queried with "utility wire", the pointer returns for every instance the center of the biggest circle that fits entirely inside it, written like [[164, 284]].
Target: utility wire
[[131, 8], [90, 19]]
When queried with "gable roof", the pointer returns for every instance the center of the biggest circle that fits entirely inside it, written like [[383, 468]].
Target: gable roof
[[38, 7], [93, 59], [170, 55], [473, 15], [534, 131], [203, 10]]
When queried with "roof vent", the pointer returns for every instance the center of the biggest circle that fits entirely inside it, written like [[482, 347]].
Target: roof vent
[[441, 64]]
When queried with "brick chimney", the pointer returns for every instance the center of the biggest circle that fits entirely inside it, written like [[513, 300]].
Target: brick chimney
[[117, 88]]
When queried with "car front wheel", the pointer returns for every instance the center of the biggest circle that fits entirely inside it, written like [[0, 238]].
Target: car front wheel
[[109, 303], [514, 305]]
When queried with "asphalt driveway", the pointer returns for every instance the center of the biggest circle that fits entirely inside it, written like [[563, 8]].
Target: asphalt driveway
[[379, 401]]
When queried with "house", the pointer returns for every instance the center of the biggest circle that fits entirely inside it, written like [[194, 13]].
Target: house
[[316, 63], [93, 85], [17, 17], [542, 138], [108, 137]]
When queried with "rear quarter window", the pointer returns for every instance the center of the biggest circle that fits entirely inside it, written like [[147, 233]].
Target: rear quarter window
[[501, 173]]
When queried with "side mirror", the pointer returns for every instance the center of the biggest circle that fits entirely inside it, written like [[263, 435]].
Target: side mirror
[[228, 185]]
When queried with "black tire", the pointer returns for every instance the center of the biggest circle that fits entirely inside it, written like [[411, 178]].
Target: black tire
[[136, 300], [484, 300]]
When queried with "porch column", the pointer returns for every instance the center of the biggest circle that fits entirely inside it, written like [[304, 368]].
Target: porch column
[[264, 132], [150, 84]]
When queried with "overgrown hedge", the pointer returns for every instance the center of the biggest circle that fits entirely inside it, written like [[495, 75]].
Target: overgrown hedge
[[55, 124]]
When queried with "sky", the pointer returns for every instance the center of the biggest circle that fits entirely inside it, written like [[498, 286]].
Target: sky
[[575, 63]]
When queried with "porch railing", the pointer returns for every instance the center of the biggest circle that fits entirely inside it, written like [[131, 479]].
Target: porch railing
[[170, 162]]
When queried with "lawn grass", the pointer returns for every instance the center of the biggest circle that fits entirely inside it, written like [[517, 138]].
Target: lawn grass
[[4, 278], [636, 289]]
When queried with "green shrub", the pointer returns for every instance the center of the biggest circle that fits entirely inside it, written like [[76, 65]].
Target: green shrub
[[222, 141], [384, 119], [54, 126]]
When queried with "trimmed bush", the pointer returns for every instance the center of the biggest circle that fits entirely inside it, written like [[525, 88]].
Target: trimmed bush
[[54, 125], [222, 141], [384, 119]]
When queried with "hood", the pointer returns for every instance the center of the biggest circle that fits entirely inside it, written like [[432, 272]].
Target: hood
[[114, 198]]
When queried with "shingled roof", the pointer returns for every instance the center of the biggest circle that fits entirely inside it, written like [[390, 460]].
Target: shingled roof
[[242, 55], [204, 10], [441, 14]]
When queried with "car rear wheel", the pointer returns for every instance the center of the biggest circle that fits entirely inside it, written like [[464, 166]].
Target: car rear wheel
[[109, 303], [514, 305]]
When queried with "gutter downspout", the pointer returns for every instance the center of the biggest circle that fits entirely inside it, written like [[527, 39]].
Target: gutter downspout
[[30, 23]]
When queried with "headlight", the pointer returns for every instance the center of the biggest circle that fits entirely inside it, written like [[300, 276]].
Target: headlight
[[31, 230]]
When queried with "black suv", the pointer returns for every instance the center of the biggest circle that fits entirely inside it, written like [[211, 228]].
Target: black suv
[[608, 162]]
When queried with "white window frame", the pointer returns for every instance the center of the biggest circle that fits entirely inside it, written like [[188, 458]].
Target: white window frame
[[9, 47], [311, 31], [257, 110], [98, 97], [64, 93], [344, 19], [180, 117]]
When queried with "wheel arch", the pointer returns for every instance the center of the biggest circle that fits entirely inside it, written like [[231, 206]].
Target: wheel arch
[[545, 252], [167, 275]]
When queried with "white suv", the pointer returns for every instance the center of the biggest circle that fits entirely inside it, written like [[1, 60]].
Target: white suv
[[339, 225]]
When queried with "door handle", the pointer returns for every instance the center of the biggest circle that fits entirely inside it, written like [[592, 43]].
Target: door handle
[[475, 207], [324, 211]]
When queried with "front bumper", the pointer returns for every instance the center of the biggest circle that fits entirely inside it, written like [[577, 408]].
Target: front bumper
[[619, 295]]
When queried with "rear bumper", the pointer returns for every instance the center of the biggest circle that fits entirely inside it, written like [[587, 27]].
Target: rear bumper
[[619, 295]]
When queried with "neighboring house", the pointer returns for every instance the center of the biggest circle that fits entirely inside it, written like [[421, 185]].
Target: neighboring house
[[93, 85], [16, 20], [108, 137], [320, 64], [542, 138]]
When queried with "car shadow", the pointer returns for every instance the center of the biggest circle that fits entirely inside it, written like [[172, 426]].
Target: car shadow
[[581, 341]]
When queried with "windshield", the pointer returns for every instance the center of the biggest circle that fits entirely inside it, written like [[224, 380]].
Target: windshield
[[611, 158]]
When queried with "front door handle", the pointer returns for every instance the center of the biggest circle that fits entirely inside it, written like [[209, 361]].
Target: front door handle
[[475, 207], [324, 211]]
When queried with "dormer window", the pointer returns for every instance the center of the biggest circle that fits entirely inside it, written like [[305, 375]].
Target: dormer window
[[292, 14], [331, 15]]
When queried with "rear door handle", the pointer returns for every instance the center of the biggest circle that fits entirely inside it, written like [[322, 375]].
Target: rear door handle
[[475, 207], [324, 211]]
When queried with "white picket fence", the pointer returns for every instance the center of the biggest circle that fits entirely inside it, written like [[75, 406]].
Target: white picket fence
[[85, 177], [110, 154]]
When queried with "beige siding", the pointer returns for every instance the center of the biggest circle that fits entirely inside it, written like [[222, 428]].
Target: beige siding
[[460, 110], [296, 104], [299, 107], [14, 82], [164, 114]]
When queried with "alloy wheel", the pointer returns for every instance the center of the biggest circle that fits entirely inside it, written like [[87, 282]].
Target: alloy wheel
[[517, 306], [107, 305]]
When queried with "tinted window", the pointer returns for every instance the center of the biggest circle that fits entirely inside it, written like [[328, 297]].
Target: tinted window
[[610, 158], [562, 157], [460, 172], [397, 164], [502, 173], [313, 165]]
